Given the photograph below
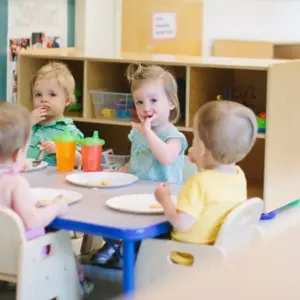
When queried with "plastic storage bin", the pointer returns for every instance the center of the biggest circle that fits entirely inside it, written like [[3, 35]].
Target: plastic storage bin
[[113, 161], [113, 105]]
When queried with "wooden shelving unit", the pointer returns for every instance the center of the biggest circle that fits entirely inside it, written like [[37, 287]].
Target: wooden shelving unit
[[272, 167], [256, 49]]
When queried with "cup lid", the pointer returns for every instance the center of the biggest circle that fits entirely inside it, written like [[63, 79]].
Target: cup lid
[[66, 137], [92, 141]]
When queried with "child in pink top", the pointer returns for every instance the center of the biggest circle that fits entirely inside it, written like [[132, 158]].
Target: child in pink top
[[15, 132]]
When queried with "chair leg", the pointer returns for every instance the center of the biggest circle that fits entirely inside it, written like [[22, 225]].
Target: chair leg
[[86, 245], [90, 242]]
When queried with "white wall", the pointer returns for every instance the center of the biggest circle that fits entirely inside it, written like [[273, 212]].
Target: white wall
[[268, 20], [95, 26]]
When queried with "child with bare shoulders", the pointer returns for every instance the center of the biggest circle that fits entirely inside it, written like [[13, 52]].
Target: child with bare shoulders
[[15, 132]]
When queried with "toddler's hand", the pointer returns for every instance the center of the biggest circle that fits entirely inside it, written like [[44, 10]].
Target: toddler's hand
[[162, 192], [38, 115], [49, 147], [62, 206], [144, 125], [123, 169]]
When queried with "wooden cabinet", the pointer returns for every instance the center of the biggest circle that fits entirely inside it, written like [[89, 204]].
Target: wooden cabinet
[[272, 167]]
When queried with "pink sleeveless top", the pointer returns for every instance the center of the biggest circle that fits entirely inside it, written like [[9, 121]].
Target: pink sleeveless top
[[14, 170]]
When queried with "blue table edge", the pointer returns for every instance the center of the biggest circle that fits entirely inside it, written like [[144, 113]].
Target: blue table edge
[[135, 234]]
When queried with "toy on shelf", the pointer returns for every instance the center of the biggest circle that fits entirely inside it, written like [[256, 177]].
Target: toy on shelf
[[261, 122], [227, 94], [250, 89], [113, 105], [77, 106], [234, 94]]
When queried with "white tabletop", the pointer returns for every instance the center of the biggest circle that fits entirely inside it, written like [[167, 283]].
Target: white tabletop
[[92, 209]]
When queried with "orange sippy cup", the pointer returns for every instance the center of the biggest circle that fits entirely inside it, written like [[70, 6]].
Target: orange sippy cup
[[91, 150], [65, 151]]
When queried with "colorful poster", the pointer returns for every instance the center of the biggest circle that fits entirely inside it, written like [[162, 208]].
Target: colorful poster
[[33, 24]]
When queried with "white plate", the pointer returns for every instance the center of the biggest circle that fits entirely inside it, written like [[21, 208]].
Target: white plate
[[45, 196], [136, 203], [98, 179], [30, 168]]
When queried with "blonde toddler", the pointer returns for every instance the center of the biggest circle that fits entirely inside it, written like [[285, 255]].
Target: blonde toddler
[[224, 133]]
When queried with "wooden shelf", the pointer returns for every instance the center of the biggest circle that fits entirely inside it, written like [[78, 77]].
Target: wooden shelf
[[256, 49], [272, 167]]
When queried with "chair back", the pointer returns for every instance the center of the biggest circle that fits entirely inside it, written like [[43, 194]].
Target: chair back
[[238, 229], [12, 237]]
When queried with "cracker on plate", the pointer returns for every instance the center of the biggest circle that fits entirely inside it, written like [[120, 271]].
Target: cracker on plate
[[155, 205], [44, 202], [99, 183]]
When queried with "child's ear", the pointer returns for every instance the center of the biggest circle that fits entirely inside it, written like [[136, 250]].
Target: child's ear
[[201, 148], [171, 105], [68, 102]]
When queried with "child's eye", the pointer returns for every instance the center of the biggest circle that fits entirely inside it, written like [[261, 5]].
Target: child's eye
[[37, 94], [139, 102], [153, 100], [52, 94]]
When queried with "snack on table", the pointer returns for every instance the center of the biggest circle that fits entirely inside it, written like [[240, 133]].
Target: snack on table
[[155, 205], [25, 167], [44, 202], [62, 197], [99, 183]]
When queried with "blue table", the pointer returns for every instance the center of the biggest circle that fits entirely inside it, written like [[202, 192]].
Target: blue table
[[91, 216]]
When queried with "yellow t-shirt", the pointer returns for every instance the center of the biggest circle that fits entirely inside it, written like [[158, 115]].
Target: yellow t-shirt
[[209, 196]]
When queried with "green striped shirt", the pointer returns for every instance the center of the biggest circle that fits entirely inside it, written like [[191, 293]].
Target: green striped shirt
[[42, 133]]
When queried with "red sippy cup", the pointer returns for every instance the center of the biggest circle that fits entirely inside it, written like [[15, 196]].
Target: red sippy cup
[[91, 150]]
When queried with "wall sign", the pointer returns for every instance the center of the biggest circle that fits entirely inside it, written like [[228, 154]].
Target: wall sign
[[164, 26]]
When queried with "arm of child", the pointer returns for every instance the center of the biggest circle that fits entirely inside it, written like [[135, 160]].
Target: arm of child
[[179, 220], [78, 159], [125, 168], [32, 216], [165, 152], [189, 204]]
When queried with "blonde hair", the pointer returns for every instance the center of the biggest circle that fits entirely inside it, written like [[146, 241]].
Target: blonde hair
[[227, 129], [137, 74], [59, 72], [15, 129]]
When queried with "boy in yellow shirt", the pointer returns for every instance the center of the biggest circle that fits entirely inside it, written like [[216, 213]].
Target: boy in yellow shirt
[[224, 133]]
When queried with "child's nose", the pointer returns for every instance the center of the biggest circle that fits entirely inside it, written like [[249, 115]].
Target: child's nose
[[147, 107], [44, 99]]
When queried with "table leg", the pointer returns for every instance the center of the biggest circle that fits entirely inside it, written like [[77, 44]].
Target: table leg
[[128, 266]]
